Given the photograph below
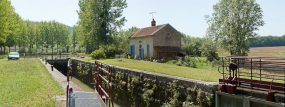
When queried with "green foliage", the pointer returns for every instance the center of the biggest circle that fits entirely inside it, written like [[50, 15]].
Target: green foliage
[[109, 50], [209, 50], [6, 12], [99, 21], [268, 41], [193, 48], [234, 28], [121, 40], [98, 54]]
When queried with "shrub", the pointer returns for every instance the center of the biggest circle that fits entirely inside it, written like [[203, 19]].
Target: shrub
[[210, 51], [98, 54], [178, 64], [3, 56], [125, 55], [109, 50]]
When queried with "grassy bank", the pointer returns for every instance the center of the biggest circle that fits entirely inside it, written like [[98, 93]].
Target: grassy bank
[[26, 83], [163, 68]]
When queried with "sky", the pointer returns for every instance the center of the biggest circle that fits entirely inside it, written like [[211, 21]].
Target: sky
[[186, 16]]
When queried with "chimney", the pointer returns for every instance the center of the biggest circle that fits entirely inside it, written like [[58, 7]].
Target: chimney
[[153, 22]]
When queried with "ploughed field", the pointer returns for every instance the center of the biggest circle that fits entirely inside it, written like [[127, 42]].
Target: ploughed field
[[268, 51]]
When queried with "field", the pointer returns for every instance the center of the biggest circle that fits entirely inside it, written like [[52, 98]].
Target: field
[[26, 82], [268, 51], [261, 52]]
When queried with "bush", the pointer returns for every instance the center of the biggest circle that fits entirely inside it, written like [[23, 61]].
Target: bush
[[3, 56], [98, 54], [125, 55], [210, 51], [109, 50]]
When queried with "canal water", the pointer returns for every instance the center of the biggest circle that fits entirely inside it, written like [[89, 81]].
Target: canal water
[[86, 88]]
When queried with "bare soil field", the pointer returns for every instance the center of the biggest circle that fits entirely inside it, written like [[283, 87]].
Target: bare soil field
[[268, 51]]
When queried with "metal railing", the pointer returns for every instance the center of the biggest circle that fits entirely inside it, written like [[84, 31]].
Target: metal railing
[[257, 73], [103, 83], [68, 75], [52, 55]]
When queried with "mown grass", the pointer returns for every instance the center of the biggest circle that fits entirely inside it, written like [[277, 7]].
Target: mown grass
[[169, 69], [26, 83]]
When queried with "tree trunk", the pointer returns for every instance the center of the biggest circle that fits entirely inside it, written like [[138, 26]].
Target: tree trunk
[[57, 48], [9, 49], [1, 49], [52, 53], [36, 49], [42, 49], [74, 50], [4, 49], [14, 49]]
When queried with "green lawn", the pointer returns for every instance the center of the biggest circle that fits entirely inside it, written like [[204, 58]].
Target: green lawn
[[26, 83], [187, 72]]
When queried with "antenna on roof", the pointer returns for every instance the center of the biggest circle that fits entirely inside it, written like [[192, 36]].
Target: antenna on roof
[[152, 14]]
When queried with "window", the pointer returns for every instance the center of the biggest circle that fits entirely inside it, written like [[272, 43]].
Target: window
[[168, 35]]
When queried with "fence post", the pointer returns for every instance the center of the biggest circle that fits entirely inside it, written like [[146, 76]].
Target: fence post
[[260, 68], [251, 73]]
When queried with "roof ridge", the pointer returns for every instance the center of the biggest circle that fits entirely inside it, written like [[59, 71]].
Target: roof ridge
[[148, 31], [159, 29]]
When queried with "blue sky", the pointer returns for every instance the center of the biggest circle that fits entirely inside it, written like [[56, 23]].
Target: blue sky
[[186, 16]]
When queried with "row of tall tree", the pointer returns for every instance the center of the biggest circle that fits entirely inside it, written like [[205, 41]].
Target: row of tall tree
[[49, 34], [12, 27], [14, 31], [268, 41]]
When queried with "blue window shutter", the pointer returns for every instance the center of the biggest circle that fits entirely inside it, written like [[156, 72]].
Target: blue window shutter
[[147, 46], [132, 50]]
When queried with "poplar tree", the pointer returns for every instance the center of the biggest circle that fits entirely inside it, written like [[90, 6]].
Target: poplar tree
[[6, 11], [99, 20]]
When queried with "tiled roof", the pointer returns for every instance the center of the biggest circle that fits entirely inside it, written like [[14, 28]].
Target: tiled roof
[[149, 31]]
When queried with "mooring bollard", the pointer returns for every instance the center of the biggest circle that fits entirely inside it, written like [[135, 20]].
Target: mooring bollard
[[51, 67]]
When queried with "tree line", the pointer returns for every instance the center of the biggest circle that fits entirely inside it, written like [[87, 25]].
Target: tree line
[[268, 41], [24, 33]]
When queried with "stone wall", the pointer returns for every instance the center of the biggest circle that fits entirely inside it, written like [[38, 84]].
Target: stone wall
[[141, 88]]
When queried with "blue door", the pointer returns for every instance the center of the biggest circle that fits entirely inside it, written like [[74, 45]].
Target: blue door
[[142, 53]]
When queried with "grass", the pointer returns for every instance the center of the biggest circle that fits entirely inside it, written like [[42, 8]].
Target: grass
[[169, 69], [26, 83]]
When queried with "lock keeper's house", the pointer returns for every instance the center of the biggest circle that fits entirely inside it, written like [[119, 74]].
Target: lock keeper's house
[[161, 41]]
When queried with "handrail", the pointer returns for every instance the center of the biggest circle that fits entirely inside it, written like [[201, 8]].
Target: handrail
[[69, 72], [253, 70], [99, 78]]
